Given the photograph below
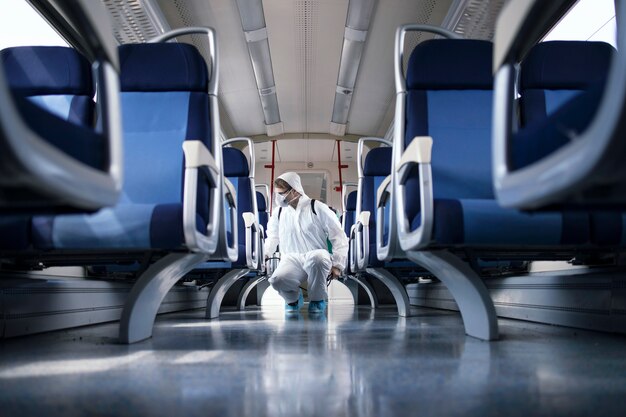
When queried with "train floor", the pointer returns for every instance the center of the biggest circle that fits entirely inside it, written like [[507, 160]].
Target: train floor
[[351, 362]]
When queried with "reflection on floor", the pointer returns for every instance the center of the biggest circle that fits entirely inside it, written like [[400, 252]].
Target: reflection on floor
[[355, 362]]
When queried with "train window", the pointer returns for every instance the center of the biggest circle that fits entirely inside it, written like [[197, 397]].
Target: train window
[[22, 25], [588, 20], [314, 184]]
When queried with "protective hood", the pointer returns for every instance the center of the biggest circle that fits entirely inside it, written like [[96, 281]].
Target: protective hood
[[294, 182]]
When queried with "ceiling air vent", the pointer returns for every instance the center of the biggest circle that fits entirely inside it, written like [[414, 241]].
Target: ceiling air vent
[[474, 19], [136, 21]]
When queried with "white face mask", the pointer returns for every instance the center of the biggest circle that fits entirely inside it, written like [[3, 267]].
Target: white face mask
[[282, 200]]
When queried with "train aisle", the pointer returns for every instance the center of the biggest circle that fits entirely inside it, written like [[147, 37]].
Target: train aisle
[[355, 362]]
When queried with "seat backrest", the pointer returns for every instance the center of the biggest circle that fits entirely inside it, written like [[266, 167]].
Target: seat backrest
[[449, 97], [556, 71], [56, 78], [376, 168], [349, 215], [262, 207], [164, 102], [237, 171]]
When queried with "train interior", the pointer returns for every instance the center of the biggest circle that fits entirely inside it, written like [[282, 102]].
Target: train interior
[[471, 150]]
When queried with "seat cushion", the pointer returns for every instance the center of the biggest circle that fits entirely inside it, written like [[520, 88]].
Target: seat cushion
[[485, 223], [126, 226]]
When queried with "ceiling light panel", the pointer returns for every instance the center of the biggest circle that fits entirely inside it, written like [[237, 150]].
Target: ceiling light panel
[[306, 38], [357, 24], [251, 13], [253, 24]]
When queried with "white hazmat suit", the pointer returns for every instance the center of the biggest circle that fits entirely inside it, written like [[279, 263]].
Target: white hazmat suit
[[301, 237]]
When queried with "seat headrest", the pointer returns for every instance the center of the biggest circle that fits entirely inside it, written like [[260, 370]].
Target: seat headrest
[[451, 64], [351, 201], [568, 65], [378, 162], [235, 163], [162, 67], [260, 201], [47, 70]]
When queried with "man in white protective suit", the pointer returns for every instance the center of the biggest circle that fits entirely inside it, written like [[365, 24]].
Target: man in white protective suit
[[301, 228]]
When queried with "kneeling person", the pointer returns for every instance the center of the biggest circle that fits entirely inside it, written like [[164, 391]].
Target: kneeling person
[[300, 228]]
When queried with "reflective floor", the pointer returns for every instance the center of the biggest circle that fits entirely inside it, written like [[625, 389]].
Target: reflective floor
[[355, 362]]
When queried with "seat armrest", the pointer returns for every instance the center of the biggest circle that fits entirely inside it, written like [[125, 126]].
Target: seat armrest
[[197, 155], [199, 158], [352, 249], [386, 249], [419, 152], [253, 240], [362, 237]]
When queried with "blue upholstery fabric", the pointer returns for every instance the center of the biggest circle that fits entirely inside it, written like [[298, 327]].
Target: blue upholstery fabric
[[14, 233], [565, 65], [262, 207], [351, 201], [76, 109], [127, 226], [350, 214], [555, 72], [156, 122], [378, 162], [56, 78], [451, 65], [77, 141], [454, 107], [162, 67], [542, 138], [483, 222], [235, 163], [52, 85], [237, 171], [607, 228], [376, 168], [47, 70]]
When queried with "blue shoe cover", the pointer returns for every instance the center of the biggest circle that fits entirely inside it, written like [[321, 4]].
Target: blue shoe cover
[[317, 306], [295, 308]]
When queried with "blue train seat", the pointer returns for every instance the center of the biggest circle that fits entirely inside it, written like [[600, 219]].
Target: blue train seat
[[574, 157], [56, 80], [171, 201], [561, 84], [349, 215], [348, 221], [262, 207], [453, 105], [552, 77], [54, 158], [161, 110], [238, 173], [250, 260], [443, 178], [376, 169]]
